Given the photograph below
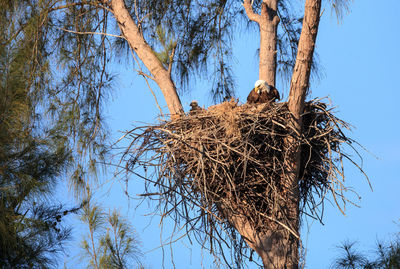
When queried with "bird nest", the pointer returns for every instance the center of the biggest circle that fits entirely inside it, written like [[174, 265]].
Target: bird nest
[[236, 155]]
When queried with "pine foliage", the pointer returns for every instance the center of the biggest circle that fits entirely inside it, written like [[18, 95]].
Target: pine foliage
[[69, 51], [31, 161], [387, 256], [55, 74], [111, 242]]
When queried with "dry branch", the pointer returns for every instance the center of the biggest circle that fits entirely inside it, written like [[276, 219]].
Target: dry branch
[[230, 159]]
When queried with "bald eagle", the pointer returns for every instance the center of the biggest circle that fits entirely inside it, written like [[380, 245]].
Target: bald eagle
[[262, 93]]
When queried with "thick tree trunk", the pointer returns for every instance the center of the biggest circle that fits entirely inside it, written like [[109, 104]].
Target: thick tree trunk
[[145, 53], [298, 90], [299, 85], [279, 248]]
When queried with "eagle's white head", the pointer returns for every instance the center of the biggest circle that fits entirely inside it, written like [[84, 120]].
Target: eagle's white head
[[261, 85]]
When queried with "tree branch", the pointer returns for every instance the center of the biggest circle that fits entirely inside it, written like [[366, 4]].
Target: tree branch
[[89, 33], [145, 76], [145, 53], [298, 90], [82, 3], [302, 69], [272, 7], [248, 7], [269, 21]]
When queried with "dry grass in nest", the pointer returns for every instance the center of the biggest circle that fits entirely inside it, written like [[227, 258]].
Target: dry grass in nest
[[235, 155]]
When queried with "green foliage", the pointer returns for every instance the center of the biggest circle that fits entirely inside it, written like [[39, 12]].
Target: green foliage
[[81, 86], [168, 45], [55, 79], [203, 32], [68, 65], [65, 73], [340, 7], [387, 257], [350, 258], [111, 241], [31, 160]]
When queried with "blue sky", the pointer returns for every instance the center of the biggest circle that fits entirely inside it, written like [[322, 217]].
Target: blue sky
[[360, 57]]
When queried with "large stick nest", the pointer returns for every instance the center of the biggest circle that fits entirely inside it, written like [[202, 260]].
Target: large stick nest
[[236, 155]]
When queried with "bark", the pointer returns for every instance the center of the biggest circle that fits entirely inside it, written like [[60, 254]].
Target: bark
[[279, 248], [302, 69], [136, 41], [268, 22], [300, 83], [268, 41], [298, 90]]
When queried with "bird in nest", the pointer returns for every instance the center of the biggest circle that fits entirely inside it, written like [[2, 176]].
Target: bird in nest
[[262, 93], [195, 108]]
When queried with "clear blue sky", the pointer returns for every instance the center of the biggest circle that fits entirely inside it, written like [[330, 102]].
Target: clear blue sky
[[361, 60]]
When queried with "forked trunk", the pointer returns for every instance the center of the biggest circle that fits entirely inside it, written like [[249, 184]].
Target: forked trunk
[[279, 247]]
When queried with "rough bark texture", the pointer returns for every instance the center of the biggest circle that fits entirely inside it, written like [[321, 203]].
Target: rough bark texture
[[298, 90], [268, 41], [279, 248], [268, 22], [302, 69], [301, 78], [145, 53]]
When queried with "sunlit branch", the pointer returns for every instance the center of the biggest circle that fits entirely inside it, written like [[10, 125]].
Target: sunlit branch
[[248, 6], [90, 33]]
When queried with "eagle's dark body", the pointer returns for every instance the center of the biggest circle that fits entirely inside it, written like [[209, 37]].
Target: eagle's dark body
[[195, 108], [262, 93]]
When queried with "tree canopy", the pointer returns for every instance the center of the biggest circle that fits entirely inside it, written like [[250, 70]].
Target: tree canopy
[[32, 161], [74, 43], [71, 44]]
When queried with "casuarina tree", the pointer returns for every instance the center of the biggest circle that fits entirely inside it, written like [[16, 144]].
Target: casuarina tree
[[32, 161], [171, 42]]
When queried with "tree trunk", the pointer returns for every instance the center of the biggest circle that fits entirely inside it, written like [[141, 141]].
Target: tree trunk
[[298, 90], [302, 69], [300, 83], [145, 53], [279, 247], [269, 21]]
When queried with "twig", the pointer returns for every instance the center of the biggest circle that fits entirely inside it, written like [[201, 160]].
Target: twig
[[90, 33], [231, 158]]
